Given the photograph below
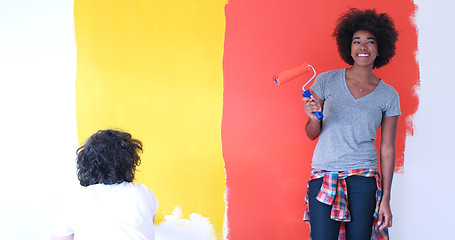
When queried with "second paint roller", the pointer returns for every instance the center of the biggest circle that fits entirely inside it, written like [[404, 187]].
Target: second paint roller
[[300, 70]]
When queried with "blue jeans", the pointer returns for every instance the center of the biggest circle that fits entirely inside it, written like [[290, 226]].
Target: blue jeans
[[361, 205]]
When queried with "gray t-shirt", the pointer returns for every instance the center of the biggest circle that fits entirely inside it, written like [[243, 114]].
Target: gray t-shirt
[[349, 125]]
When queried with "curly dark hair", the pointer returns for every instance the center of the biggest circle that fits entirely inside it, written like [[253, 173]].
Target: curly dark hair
[[380, 25], [108, 157]]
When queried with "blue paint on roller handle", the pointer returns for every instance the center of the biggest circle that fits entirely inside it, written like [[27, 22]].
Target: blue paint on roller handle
[[307, 94]]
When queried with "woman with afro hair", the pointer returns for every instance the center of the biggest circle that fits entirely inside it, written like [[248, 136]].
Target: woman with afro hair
[[110, 205], [347, 197]]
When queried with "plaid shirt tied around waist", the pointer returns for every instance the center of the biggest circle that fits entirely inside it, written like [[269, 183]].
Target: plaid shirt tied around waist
[[334, 192]]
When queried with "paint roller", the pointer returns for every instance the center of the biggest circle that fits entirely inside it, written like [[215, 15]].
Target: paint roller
[[295, 72]]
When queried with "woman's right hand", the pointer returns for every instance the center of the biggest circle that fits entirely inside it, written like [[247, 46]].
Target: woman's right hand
[[311, 106]]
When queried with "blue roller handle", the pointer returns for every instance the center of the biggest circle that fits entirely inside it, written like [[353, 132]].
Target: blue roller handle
[[307, 94]]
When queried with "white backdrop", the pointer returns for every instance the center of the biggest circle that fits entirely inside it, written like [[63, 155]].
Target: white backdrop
[[422, 197], [38, 119], [38, 139]]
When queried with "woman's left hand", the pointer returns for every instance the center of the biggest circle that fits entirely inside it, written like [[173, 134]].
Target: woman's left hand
[[385, 215]]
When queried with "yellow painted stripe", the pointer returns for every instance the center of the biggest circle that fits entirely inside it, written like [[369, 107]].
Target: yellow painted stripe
[[154, 68]]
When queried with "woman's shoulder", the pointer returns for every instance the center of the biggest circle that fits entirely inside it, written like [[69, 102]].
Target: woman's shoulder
[[146, 193], [117, 187], [133, 185], [331, 76], [388, 88], [142, 188], [332, 73]]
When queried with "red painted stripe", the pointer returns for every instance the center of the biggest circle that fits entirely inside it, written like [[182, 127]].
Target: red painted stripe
[[266, 151]]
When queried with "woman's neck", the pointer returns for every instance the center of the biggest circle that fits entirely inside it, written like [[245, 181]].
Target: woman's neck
[[361, 74]]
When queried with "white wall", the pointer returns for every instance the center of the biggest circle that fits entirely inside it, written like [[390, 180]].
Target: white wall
[[37, 109], [38, 139], [422, 198]]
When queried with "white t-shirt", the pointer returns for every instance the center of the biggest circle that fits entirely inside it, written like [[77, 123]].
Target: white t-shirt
[[120, 211]]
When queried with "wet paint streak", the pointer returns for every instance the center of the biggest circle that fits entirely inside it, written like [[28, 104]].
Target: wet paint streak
[[266, 152]]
